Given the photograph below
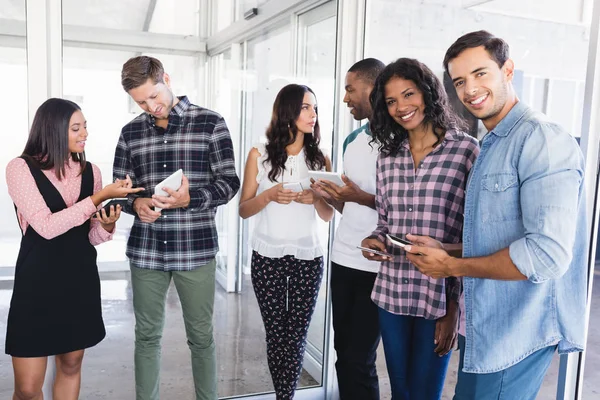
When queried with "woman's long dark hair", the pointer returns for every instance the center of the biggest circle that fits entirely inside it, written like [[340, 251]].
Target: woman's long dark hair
[[387, 132], [286, 110], [48, 144]]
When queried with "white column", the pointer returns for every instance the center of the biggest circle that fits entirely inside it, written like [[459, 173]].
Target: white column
[[44, 80], [44, 52]]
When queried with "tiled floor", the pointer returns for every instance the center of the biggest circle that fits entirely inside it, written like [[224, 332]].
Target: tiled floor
[[108, 372]]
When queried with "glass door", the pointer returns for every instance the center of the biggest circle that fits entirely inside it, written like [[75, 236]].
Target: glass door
[[315, 66], [224, 88], [299, 49], [267, 69]]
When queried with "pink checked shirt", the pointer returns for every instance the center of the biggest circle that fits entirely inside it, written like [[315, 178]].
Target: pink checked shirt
[[428, 201], [32, 209]]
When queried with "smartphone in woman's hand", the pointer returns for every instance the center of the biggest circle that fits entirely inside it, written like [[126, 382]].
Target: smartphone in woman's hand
[[114, 202], [374, 251]]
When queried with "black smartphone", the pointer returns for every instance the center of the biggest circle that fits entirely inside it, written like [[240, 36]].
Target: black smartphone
[[114, 202]]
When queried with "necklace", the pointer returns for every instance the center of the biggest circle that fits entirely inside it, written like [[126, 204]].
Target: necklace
[[290, 164]]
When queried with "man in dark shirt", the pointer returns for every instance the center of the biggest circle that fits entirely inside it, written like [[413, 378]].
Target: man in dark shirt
[[180, 240]]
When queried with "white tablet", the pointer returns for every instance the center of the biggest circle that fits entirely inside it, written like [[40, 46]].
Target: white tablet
[[173, 182], [328, 176]]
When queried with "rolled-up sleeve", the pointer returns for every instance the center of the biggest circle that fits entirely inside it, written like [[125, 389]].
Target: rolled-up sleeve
[[551, 177], [225, 182], [122, 168], [382, 224]]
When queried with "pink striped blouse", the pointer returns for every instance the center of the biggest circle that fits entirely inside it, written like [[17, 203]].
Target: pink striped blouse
[[32, 209]]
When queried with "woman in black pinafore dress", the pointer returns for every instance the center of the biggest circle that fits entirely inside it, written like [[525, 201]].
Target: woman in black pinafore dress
[[55, 307]]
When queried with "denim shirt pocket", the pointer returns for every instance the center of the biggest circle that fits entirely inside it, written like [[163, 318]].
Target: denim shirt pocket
[[499, 199]]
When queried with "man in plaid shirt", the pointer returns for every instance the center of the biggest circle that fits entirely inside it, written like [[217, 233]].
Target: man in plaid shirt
[[180, 241]]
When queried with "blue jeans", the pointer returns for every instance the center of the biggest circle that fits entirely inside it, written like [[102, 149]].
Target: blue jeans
[[416, 372], [522, 381]]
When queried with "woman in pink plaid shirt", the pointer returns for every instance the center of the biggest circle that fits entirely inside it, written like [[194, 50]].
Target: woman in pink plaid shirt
[[422, 172]]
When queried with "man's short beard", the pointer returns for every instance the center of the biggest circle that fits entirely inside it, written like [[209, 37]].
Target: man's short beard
[[359, 113]]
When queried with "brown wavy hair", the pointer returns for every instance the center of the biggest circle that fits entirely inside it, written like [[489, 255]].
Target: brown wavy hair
[[286, 110]]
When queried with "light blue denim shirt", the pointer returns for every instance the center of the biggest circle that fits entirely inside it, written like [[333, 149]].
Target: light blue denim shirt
[[526, 192]]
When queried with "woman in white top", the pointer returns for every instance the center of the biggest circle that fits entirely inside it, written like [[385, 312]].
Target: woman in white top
[[287, 259]]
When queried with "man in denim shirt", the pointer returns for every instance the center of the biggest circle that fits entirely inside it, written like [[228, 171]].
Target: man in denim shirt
[[524, 237]]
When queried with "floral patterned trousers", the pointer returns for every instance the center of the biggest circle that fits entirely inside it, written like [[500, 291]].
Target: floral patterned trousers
[[286, 289]]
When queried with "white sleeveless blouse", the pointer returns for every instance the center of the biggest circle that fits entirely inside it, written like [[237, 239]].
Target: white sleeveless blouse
[[285, 229]]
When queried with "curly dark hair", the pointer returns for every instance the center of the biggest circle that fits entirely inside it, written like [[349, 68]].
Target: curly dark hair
[[387, 132], [286, 110]]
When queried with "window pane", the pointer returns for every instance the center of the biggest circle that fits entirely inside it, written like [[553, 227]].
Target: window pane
[[13, 65], [317, 55], [12, 9], [224, 14], [160, 16]]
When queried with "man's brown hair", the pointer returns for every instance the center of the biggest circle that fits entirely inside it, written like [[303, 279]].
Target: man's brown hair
[[496, 47], [137, 70]]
